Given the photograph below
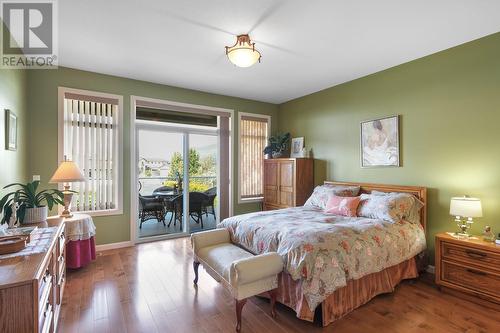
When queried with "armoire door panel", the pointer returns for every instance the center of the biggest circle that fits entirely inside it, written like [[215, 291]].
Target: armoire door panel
[[271, 185], [286, 183], [270, 173], [271, 195], [286, 174], [286, 199]]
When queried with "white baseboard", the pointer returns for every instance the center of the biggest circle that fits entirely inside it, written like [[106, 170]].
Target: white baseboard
[[111, 246], [430, 269]]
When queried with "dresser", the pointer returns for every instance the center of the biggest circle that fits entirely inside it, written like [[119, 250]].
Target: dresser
[[32, 286], [470, 267], [288, 182]]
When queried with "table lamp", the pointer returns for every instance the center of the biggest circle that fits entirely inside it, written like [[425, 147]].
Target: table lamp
[[465, 207], [67, 172]]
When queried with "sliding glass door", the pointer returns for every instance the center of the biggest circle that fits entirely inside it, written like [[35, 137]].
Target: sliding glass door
[[177, 177], [203, 181], [160, 156]]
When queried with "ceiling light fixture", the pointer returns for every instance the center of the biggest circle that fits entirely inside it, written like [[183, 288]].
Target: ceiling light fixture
[[243, 52]]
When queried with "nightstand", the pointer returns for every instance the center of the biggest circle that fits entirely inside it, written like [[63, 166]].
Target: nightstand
[[469, 268]]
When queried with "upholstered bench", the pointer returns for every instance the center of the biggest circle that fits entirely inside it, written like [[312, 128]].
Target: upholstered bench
[[243, 273]]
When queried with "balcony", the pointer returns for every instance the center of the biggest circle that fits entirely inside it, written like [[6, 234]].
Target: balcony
[[154, 202]]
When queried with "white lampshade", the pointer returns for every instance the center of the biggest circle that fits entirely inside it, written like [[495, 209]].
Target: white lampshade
[[67, 172], [466, 207]]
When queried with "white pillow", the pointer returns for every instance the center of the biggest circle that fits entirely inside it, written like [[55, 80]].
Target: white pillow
[[390, 206]]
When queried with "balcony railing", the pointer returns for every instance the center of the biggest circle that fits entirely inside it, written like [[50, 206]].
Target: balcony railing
[[147, 185]]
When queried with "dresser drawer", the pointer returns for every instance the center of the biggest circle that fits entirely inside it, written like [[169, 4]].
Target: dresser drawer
[[61, 243], [60, 288], [471, 255], [471, 278], [46, 319], [45, 294], [61, 263]]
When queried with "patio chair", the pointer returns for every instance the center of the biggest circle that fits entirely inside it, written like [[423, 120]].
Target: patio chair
[[151, 207], [163, 189], [196, 205], [208, 207]]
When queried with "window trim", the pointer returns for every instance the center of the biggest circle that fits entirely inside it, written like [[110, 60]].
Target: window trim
[[119, 149], [254, 115]]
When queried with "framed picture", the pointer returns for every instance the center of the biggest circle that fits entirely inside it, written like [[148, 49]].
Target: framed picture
[[297, 147], [10, 130], [380, 142]]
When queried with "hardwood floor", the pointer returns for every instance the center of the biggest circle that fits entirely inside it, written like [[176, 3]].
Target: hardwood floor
[[148, 288]]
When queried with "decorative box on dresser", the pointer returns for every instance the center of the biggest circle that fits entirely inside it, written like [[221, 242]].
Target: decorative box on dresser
[[31, 287], [288, 182], [469, 268]]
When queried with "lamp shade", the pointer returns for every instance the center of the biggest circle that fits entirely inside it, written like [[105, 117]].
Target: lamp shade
[[466, 207], [67, 172]]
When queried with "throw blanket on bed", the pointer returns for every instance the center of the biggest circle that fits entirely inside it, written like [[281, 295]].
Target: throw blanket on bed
[[325, 250]]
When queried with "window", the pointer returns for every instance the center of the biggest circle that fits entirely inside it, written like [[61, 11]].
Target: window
[[252, 141], [90, 129]]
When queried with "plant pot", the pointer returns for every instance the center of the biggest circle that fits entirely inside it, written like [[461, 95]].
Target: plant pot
[[278, 154], [35, 215]]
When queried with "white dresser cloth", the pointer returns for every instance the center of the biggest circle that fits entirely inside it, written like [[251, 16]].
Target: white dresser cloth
[[79, 227]]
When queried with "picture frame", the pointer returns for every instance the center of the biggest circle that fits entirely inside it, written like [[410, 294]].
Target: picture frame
[[10, 130], [297, 149], [379, 142]]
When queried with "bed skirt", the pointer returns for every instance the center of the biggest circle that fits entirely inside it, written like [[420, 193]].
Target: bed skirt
[[348, 298]]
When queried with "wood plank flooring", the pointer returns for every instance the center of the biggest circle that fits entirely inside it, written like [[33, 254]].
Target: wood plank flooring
[[148, 288]]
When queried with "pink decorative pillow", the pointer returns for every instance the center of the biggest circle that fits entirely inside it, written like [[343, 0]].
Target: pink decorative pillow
[[345, 206]]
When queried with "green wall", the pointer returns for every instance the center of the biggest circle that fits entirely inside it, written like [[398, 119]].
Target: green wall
[[13, 164], [449, 104], [42, 106]]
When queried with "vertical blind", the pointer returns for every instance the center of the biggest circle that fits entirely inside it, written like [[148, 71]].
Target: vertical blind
[[253, 139], [90, 141]]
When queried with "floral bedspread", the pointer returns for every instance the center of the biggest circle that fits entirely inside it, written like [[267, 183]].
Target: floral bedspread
[[325, 250]]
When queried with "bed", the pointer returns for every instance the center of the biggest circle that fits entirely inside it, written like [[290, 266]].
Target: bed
[[334, 264]]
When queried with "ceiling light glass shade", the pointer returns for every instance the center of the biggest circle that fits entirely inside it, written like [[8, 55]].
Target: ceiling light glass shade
[[243, 53]]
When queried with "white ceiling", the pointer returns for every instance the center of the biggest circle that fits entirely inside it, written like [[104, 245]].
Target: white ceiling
[[306, 45]]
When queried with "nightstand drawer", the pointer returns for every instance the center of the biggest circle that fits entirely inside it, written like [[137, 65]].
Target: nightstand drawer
[[475, 256], [471, 278]]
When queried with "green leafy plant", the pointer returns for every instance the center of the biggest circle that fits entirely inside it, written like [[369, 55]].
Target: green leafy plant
[[194, 185], [26, 197], [278, 144]]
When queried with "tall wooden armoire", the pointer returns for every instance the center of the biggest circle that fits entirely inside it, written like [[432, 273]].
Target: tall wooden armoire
[[288, 182]]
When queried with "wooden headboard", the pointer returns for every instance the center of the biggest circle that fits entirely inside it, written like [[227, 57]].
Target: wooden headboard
[[418, 191]]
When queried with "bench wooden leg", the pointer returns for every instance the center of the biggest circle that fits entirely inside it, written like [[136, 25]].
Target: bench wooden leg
[[273, 295], [239, 308], [195, 267]]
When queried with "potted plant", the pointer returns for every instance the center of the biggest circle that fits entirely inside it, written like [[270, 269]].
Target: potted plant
[[278, 145], [33, 206]]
